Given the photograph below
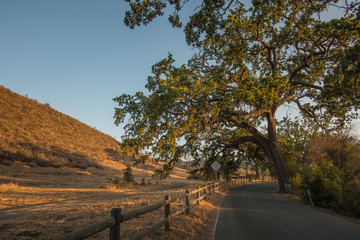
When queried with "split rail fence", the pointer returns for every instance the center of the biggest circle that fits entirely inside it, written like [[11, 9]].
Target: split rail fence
[[117, 217]]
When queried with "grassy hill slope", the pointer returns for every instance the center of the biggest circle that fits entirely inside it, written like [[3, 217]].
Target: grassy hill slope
[[47, 156], [37, 135]]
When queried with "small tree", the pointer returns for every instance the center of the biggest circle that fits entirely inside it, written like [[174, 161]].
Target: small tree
[[128, 177], [143, 183]]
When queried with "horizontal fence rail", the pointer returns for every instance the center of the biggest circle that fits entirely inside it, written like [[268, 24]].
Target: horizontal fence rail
[[141, 211], [117, 217]]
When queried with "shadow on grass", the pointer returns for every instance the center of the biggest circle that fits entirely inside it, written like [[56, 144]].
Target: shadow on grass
[[53, 156]]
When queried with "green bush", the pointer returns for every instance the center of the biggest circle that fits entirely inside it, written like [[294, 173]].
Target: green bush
[[328, 190], [128, 176], [325, 185], [127, 181]]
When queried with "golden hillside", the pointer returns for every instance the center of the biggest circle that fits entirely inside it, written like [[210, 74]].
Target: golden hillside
[[37, 135]]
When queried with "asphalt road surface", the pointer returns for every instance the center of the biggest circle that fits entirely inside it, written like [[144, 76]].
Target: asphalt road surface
[[255, 212]]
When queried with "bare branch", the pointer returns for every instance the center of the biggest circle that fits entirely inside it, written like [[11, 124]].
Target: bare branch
[[294, 83], [307, 112]]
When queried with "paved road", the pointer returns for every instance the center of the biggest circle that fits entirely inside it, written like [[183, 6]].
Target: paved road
[[255, 212]]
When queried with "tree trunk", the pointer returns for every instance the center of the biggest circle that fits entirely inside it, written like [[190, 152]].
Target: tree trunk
[[275, 155], [280, 167]]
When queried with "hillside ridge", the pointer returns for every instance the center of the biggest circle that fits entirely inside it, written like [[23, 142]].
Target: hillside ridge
[[35, 134]]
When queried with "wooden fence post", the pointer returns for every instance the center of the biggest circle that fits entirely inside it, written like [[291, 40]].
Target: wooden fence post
[[198, 195], [187, 202], [167, 213], [205, 191], [115, 230]]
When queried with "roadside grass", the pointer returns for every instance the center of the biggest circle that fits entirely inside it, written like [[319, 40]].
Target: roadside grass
[[57, 223], [10, 187]]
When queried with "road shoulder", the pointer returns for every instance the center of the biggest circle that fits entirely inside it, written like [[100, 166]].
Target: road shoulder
[[214, 201], [330, 212]]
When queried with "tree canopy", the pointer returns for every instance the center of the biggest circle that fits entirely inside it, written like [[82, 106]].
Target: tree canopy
[[249, 61]]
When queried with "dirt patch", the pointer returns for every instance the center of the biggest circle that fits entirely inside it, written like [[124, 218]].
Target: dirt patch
[[207, 230]]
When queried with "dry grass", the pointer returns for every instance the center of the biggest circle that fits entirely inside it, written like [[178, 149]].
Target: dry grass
[[47, 156], [10, 187], [34, 134], [57, 223], [14, 195], [46, 185]]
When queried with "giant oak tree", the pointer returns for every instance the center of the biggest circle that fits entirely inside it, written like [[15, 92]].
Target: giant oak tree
[[248, 62]]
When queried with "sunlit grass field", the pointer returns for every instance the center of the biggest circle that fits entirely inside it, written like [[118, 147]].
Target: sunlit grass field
[[49, 157]]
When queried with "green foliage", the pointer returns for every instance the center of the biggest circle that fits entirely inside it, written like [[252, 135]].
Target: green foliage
[[143, 12], [293, 137], [324, 183], [249, 62], [229, 166], [256, 159], [128, 176], [330, 172], [126, 181], [164, 173]]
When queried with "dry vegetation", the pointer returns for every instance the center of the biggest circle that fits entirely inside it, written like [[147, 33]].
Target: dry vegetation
[[198, 225], [36, 135], [47, 156]]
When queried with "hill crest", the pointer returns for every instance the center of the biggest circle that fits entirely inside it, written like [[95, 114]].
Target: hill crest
[[35, 134]]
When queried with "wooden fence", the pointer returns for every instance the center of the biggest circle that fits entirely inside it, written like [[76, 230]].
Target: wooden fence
[[117, 217]]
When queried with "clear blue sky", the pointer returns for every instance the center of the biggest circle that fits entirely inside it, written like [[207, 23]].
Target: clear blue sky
[[77, 55]]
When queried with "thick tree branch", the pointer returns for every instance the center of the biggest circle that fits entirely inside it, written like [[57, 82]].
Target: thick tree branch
[[241, 140], [307, 112], [239, 119]]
